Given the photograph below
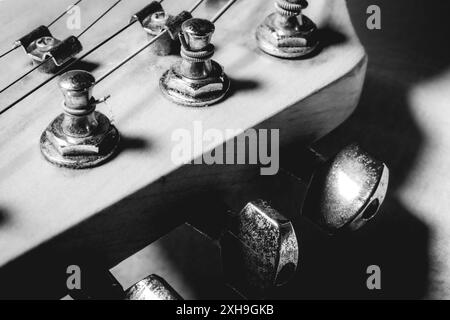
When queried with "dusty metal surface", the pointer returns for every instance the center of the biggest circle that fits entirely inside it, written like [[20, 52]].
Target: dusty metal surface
[[152, 288], [288, 33], [259, 250], [196, 81], [80, 137]]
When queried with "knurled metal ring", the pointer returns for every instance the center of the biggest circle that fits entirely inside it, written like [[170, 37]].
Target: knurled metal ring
[[289, 9], [78, 112], [196, 56]]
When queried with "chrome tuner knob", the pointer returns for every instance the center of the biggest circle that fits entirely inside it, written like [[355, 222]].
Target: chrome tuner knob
[[80, 137], [47, 51], [346, 191], [288, 33], [196, 80], [259, 250]]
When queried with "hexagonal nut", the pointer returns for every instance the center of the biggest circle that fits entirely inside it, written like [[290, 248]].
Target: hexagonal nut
[[287, 43], [192, 92], [92, 145]]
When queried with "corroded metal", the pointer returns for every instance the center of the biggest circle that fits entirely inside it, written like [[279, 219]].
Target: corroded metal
[[101, 285], [146, 12], [196, 80], [259, 250], [169, 42], [80, 137], [47, 51], [287, 33], [152, 288], [347, 191], [153, 26]]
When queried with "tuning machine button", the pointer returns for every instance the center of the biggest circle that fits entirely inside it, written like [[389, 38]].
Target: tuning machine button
[[196, 80], [346, 191], [154, 20], [258, 246], [259, 250], [288, 33], [80, 137], [47, 51], [152, 288], [101, 285]]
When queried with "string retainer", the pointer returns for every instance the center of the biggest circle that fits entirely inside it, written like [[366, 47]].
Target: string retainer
[[47, 51]]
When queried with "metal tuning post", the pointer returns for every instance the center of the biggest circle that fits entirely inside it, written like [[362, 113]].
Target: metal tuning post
[[197, 80], [80, 137], [346, 191], [288, 33], [154, 20], [47, 51]]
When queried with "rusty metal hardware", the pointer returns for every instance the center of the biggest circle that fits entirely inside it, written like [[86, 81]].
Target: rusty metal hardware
[[80, 137], [154, 20], [258, 245], [287, 33], [259, 250], [101, 285], [152, 288], [196, 80]]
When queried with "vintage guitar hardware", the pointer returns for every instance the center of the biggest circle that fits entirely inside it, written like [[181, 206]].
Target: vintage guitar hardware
[[171, 28], [154, 20], [65, 214], [258, 245], [47, 51], [80, 137], [104, 286], [197, 80], [49, 54], [18, 43], [288, 33], [259, 250], [346, 191]]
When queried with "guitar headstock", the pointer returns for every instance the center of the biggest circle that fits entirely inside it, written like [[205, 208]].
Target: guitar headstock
[[305, 98]]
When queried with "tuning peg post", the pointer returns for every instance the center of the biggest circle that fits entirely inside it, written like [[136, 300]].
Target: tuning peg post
[[287, 33], [197, 80], [80, 137]]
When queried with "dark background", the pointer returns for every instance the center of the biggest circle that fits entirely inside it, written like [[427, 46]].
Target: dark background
[[410, 50]]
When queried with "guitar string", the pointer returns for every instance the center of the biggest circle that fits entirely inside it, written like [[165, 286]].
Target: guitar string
[[49, 58], [153, 40], [214, 19], [48, 26], [99, 45]]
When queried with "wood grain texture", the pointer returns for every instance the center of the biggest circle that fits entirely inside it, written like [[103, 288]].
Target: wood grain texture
[[42, 202]]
